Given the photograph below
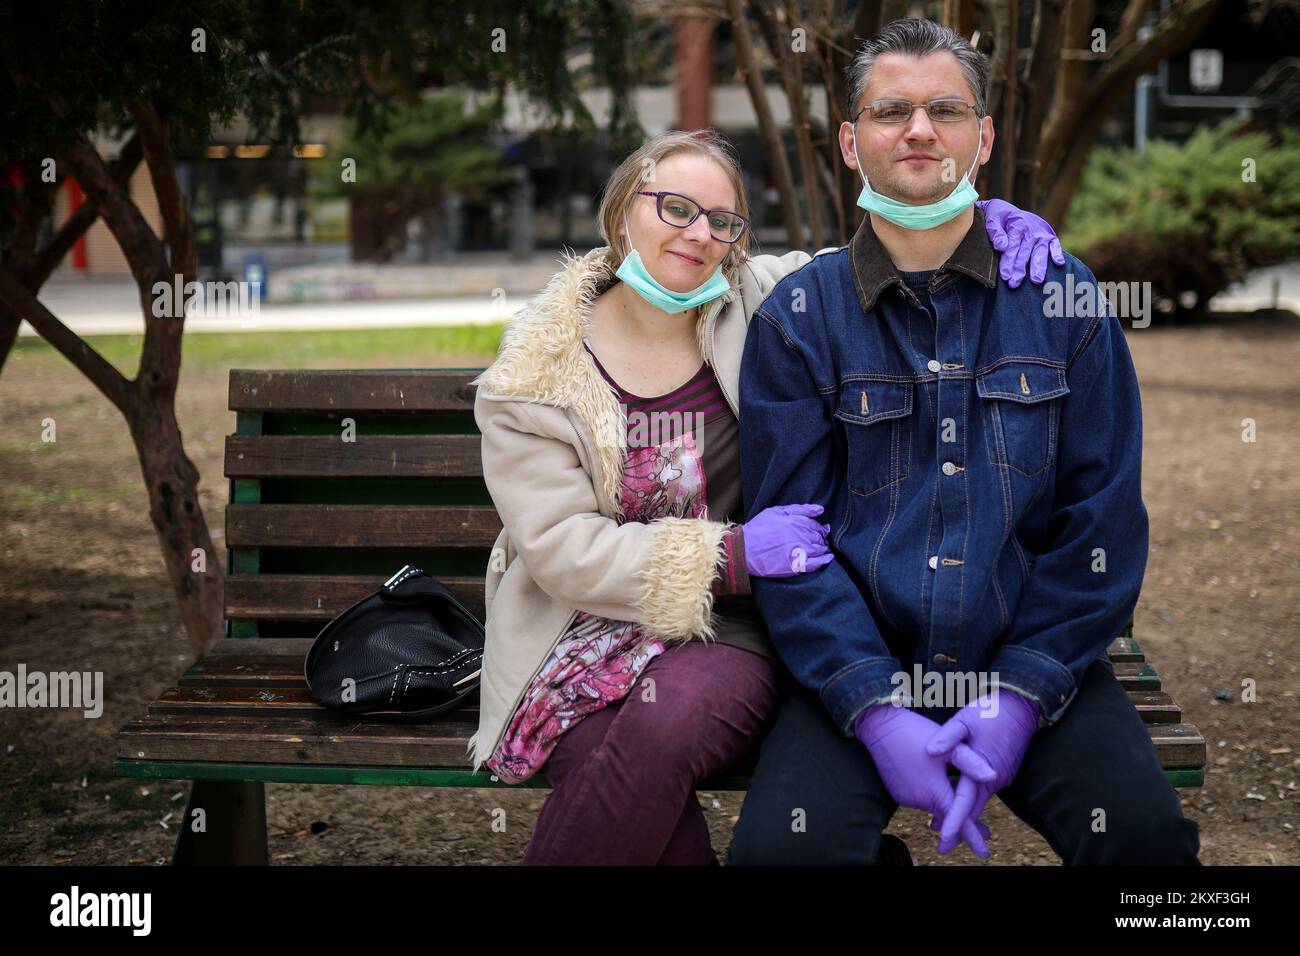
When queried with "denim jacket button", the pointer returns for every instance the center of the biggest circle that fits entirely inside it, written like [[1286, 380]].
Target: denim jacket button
[[934, 561], [949, 468], [933, 365]]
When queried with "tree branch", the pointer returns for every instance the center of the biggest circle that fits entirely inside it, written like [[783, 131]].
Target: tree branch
[[32, 269], [155, 138], [120, 171], [1181, 24], [17, 297], [143, 250]]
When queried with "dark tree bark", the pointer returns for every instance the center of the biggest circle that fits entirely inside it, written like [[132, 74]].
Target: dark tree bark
[[778, 164], [776, 25], [147, 402], [1040, 81]]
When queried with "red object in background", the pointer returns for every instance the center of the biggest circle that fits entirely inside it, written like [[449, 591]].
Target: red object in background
[[75, 199], [693, 47], [13, 176]]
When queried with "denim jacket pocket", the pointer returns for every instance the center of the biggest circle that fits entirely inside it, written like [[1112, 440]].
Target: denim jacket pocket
[[1022, 408], [878, 441]]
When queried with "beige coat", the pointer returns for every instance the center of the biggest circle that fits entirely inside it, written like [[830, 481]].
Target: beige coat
[[553, 449]]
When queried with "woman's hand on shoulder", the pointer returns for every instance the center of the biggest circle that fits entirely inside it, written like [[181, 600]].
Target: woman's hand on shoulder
[[1024, 239]]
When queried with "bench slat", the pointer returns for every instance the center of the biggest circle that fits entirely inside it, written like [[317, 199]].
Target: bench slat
[[309, 390], [1137, 676], [273, 647], [242, 700], [1179, 746], [325, 739], [334, 739], [271, 670], [370, 456], [321, 597], [255, 686], [261, 647], [1156, 707], [1125, 650], [372, 526]]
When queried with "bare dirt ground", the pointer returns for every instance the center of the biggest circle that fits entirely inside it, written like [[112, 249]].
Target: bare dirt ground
[[82, 586]]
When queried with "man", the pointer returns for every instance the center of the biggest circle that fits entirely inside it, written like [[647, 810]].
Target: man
[[980, 465]]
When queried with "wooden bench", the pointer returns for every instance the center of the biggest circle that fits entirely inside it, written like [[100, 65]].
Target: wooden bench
[[315, 523]]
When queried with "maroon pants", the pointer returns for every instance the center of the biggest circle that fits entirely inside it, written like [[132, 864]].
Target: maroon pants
[[624, 777]]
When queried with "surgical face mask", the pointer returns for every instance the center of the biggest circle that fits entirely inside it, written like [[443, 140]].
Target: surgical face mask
[[638, 278], [927, 215]]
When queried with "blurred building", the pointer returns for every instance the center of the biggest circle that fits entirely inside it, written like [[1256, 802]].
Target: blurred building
[[247, 202]]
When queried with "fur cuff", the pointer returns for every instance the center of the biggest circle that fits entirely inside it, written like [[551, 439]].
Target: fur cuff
[[677, 594]]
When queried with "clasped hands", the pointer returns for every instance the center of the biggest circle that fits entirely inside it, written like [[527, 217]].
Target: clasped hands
[[986, 744]]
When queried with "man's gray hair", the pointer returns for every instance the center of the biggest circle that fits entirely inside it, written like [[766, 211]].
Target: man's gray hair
[[916, 37]]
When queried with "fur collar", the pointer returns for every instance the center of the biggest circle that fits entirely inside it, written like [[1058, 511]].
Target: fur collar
[[542, 358]]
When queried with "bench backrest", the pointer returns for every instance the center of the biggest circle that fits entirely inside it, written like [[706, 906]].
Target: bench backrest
[[337, 479]]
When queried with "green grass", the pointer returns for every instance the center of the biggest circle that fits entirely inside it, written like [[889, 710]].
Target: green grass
[[337, 348], [22, 496]]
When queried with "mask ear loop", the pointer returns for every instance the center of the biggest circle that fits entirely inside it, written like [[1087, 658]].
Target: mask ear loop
[[978, 146], [628, 229]]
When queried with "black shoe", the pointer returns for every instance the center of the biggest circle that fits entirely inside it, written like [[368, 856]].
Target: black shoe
[[892, 852]]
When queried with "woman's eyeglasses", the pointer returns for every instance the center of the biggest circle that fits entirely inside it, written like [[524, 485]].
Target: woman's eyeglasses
[[900, 111], [680, 211]]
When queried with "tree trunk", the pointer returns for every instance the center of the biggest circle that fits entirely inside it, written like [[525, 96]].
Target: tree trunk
[[198, 580], [171, 479], [1009, 93], [776, 24], [148, 401], [1069, 172], [843, 184], [771, 136], [1045, 53]]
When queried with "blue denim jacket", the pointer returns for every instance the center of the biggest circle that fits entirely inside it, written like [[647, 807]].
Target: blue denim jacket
[[981, 474]]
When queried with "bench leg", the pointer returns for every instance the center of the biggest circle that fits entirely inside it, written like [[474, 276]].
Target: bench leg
[[234, 813]]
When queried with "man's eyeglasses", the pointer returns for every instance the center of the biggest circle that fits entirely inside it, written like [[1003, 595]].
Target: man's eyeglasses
[[680, 211], [900, 111]]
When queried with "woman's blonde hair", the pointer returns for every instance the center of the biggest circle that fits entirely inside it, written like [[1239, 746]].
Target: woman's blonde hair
[[637, 171]]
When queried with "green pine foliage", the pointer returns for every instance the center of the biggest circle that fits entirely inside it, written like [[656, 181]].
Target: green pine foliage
[[1192, 219], [70, 66], [431, 147]]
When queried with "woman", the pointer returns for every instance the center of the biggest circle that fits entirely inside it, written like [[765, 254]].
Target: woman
[[610, 448]]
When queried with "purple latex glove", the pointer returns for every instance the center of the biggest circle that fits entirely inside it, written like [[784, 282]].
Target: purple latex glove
[[784, 540], [896, 738], [999, 735], [1022, 238]]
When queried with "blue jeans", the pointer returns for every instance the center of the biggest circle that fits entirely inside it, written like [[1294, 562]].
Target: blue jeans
[[1097, 756]]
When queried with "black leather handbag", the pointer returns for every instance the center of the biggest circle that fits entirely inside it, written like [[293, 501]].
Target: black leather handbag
[[408, 652]]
